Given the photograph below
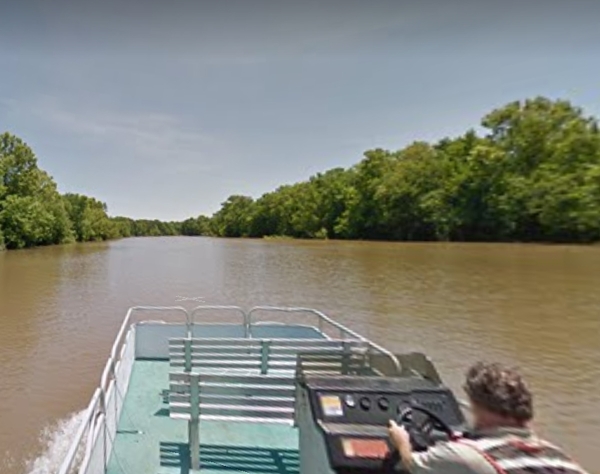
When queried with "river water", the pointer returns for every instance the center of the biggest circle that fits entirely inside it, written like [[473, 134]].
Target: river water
[[537, 307]]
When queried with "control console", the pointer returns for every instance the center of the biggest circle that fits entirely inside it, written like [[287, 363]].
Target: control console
[[343, 420]]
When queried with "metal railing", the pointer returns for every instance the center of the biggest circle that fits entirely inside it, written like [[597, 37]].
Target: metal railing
[[96, 410], [87, 426], [205, 308], [115, 352], [97, 406], [324, 319]]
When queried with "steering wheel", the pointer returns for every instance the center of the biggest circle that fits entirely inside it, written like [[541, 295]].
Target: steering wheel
[[420, 432], [420, 426]]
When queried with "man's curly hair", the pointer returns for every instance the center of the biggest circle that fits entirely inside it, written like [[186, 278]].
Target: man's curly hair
[[500, 390]]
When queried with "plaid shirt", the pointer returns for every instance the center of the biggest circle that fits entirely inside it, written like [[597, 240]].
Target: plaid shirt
[[501, 451]]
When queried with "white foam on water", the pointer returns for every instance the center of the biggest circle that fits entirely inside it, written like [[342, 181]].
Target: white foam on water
[[56, 440], [8, 463]]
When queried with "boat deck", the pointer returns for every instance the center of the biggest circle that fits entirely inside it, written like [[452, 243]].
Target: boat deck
[[161, 447], [146, 440]]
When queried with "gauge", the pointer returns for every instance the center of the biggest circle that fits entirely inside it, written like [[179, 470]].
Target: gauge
[[365, 403], [384, 403], [349, 399]]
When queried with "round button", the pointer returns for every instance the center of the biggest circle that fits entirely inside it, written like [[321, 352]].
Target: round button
[[384, 404], [350, 401], [365, 403]]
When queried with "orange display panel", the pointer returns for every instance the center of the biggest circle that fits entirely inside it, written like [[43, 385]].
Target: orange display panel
[[365, 448]]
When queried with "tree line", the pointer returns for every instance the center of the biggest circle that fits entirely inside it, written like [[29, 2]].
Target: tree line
[[532, 174], [33, 212]]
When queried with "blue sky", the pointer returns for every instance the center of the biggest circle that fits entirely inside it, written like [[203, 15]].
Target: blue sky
[[163, 109]]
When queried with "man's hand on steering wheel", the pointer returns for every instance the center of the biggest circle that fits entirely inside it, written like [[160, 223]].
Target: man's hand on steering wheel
[[420, 423], [398, 435], [402, 448], [407, 434]]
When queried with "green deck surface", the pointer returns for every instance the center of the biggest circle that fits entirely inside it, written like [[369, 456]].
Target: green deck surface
[[162, 448]]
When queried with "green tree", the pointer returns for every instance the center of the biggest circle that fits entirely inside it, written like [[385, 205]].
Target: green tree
[[25, 222], [31, 210], [333, 191], [362, 218], [234, 219], [123, 226], [90, 219], [551, 153], [413, 174], [195, 226]]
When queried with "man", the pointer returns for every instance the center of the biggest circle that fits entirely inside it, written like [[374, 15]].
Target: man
[[502, 442]]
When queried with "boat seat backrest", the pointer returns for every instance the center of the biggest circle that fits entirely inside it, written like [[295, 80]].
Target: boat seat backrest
[[232, 397], [221, 396], [260, 356]]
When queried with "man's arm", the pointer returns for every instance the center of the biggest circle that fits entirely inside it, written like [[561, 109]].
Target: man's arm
[[446, 458], [401, 441], [443, 458]]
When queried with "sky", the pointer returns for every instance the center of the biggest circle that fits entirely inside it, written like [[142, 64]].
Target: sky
[[162, 109]]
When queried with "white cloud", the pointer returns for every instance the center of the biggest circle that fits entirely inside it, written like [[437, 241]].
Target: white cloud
[[155, 138]]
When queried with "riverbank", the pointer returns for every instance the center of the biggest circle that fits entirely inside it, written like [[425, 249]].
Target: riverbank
[[288, 239]]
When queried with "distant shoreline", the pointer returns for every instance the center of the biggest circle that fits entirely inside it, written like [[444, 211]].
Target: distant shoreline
[[534, 177], [279, 239]]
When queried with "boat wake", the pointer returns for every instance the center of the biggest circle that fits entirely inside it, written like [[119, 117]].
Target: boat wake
[[55, 440]]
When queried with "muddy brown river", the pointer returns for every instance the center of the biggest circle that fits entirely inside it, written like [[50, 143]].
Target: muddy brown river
[[537, 307]]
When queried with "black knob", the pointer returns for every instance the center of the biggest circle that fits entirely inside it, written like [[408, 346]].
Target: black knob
[[384, 403], [365, 403]]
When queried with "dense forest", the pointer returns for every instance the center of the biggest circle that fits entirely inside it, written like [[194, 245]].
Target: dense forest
[[32, 212], [532, 174]]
